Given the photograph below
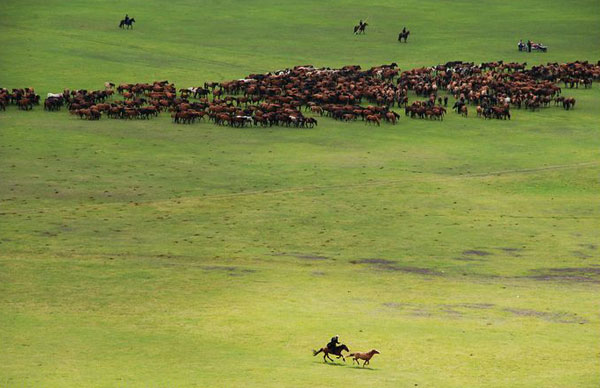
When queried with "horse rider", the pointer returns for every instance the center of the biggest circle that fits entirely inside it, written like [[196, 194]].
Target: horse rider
[[334, 340], [404, 30], [126, 18]]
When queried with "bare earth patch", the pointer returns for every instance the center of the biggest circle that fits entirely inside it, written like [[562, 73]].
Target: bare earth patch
[[577, 275], [476, 252], [392, 266], [460, 310], [304, 256], [231, 270], [560, 317]]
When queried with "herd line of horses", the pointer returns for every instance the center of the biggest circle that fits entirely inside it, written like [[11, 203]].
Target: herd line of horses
[[285, 97]]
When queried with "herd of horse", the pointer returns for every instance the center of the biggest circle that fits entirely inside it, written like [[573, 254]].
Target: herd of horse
[[295, 97]]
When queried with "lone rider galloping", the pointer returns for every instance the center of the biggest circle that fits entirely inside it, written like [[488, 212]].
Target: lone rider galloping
[[334, 341]]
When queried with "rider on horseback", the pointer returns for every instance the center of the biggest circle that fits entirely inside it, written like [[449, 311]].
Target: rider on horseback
[[334, 340], [126, 18]]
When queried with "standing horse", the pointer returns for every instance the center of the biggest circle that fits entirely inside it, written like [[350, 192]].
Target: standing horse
[[337, 351], [128, 23], [403, 35], [360, 29]]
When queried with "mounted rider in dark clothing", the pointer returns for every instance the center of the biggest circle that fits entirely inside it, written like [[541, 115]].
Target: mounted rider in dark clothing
[[334, 341], [126, 18]]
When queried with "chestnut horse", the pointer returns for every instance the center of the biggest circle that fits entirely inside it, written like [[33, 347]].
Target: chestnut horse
[[363, 356], [337, 351]]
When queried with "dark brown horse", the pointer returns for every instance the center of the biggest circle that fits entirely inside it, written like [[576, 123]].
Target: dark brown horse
[[127, 23], [403, 35], [360, 28], [337, 351]]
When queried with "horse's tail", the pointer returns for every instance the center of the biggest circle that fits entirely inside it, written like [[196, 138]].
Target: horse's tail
[[315, 352]]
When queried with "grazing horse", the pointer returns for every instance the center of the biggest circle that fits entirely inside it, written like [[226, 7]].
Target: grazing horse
[[360, 28], [403, 35], [363, 356], [337, 351], [128, 23]]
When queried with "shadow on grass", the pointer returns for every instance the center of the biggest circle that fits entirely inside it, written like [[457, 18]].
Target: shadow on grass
[[328, 363], [345, 365]]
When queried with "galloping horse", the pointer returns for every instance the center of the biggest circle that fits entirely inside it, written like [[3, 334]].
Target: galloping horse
[[360, 29], [403, 35], [363, 356], [128, 23], [337, 351]]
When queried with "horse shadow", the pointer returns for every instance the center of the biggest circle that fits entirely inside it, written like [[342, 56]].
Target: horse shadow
[[362, 368], [329, 363], [346, 365]]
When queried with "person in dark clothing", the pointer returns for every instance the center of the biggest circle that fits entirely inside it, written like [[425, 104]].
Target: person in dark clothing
[[126, 18], [334, 341], [528, 46], [445, 101], [404, 30]]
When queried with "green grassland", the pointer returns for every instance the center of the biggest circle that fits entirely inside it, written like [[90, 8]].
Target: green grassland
[[146, 254]]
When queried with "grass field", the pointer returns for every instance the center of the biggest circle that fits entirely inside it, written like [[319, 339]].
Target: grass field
[[147, 254]]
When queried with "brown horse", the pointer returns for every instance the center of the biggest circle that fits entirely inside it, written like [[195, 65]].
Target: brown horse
[[363, 356], [373, 119], [337, 351], [568, 103]]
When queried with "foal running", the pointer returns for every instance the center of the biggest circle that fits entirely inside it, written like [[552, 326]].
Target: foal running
[[363, 356]]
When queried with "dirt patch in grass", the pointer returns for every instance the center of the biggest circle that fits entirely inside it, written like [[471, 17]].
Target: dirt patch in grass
[[304, 256], [466, 259], [419, 310], [477, 306], [392, 266], [576, 275], [511, 250], [310, 257], [231, 270], [373, 261], [581, 255], [559, 317], [395, 305], [476, 252], [458, 310]]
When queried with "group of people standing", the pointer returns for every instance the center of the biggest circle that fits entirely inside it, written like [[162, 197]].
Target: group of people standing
[[530, 46]]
